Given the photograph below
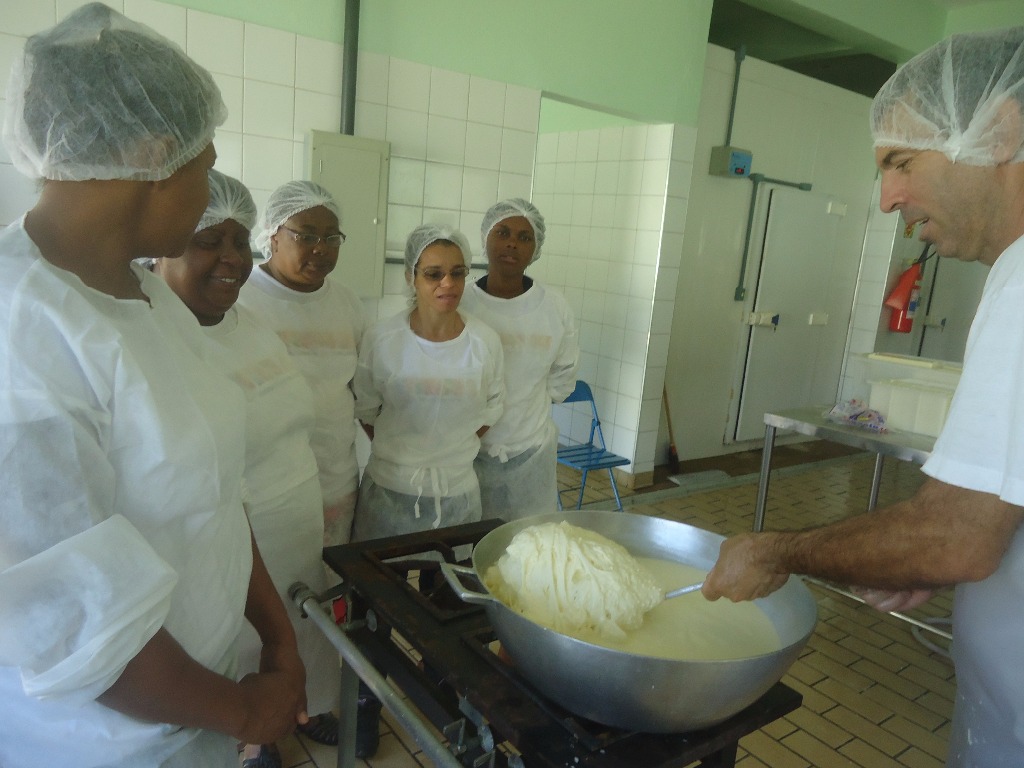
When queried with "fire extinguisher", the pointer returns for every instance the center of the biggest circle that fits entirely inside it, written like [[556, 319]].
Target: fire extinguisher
[[904, 298]]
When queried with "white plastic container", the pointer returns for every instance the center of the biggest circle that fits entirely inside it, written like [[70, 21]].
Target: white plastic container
[[911, 405]]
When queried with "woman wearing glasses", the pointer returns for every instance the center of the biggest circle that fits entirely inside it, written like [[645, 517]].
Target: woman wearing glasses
[[517, 462], [320, 321], [429, 383]]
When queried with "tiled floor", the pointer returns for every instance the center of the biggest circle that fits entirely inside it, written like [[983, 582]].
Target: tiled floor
[[874, 696]]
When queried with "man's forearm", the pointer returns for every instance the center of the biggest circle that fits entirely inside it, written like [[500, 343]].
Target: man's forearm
[[943, 535]]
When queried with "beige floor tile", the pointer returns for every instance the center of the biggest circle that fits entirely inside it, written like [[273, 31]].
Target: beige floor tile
[[867, 731], [867, 755], [916, 758], [920, 737]]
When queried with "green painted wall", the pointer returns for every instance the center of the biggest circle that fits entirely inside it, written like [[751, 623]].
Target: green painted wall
[[640, 59], [998, 13], [557, 116], [643, 60]]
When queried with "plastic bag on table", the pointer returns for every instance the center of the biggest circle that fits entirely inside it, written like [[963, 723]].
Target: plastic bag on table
[[855, 413]]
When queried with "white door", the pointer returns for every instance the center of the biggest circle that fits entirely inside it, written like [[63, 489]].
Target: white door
[[355, 171], [797, 329]]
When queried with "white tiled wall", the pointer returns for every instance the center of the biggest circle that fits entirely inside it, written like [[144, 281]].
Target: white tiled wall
[[277, 86], [615, 199], [458, 143], [871, 285], [615, 204]]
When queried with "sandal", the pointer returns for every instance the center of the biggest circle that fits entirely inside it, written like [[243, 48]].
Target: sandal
[[323, 729], [269, 757]]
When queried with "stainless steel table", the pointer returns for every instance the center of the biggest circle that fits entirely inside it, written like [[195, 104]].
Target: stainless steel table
[[811, 421]]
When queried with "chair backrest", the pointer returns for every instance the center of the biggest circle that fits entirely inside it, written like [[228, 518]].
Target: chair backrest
[[583, 394]]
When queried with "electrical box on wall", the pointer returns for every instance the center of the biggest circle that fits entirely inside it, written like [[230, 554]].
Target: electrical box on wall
[[730, 161], [355, 171]]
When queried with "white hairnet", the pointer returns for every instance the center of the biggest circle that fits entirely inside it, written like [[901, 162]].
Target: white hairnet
[[229, 199], [506, 209], [425, 234], [286, 201], [99, 96], [962, 97]]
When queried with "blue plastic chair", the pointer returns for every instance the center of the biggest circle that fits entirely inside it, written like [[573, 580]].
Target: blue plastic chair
[[591, 455]]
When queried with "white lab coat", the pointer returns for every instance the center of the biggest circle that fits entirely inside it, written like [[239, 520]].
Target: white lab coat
[[517, 462], [121, 455], [981, 447], [426, 400], [322, 331], [283, 498]]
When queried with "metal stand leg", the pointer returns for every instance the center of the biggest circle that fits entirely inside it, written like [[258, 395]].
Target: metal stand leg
[[876, 480], [357, 664], [762, 482], [347, 717]]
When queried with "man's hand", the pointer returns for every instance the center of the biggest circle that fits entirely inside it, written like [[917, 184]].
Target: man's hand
[[890, 600], [744, 570]]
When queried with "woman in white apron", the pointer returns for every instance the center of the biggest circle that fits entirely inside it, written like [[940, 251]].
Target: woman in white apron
[[126, 561], [320, 321], [429, 383], [282, 490], [517, 461]]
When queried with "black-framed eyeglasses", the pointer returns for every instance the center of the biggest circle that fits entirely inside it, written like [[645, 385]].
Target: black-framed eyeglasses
[[309, 240], [436, 274]]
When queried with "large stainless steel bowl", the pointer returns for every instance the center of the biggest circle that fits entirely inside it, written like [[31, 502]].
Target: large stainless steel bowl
[[625, 690]]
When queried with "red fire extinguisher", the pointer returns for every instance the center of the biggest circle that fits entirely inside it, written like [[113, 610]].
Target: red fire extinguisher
[[904, 299]]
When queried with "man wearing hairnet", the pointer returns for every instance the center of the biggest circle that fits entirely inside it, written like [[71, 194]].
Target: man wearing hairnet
[[127, 566], [949, 139]]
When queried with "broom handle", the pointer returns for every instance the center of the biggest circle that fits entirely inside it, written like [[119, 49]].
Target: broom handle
[[668, 415]]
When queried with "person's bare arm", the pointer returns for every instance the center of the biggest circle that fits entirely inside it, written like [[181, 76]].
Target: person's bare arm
[[164, 684], [941, 536], [280, 654]]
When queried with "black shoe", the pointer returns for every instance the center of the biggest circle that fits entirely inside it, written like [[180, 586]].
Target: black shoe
[[367, 726], [269, 757]]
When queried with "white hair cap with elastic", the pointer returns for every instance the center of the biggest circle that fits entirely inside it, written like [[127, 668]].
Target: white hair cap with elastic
[[963, 97], [427, 234], [506, 209], [229, 199], [99, 96], [286, 201]]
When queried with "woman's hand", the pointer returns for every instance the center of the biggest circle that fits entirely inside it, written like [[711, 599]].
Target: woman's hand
[[275, 697]]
